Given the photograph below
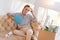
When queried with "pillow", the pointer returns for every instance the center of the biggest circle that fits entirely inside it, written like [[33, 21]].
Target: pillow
[[17, 19], [7, 24]]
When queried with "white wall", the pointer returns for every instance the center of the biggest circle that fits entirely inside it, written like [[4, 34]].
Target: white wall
[[4, 6], [11, 6]]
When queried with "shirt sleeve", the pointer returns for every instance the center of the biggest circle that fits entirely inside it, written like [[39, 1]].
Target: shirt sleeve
[[32, 18]]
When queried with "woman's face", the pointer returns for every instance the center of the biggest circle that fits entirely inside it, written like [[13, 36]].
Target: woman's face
[[25, 10]]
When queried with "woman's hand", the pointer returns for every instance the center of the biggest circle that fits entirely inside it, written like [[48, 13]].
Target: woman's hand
[[31, 10], [32, 13]]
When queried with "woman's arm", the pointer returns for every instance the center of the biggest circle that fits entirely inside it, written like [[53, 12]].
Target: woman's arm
[[33, 13]]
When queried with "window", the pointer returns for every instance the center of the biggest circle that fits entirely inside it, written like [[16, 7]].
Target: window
[[53, 16], [48, 16]]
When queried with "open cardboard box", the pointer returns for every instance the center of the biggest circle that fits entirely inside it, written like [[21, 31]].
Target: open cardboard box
[[45, 35]]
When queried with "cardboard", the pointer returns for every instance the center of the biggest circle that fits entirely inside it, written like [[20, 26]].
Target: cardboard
[[45, 35]]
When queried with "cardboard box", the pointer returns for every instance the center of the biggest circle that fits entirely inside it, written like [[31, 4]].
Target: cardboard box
[[45, 35]]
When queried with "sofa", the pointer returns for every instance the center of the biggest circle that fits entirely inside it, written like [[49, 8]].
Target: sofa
[[7, 25]]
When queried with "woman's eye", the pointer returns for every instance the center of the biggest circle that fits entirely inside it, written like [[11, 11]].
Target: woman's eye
[[26, 9]]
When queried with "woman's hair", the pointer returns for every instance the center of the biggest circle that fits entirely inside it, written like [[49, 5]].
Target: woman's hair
[[26, 6]]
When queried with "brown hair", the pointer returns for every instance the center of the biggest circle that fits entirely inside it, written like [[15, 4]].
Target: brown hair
[[26, 6]]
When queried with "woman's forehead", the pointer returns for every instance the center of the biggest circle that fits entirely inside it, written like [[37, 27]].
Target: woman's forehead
[[27, 8]]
